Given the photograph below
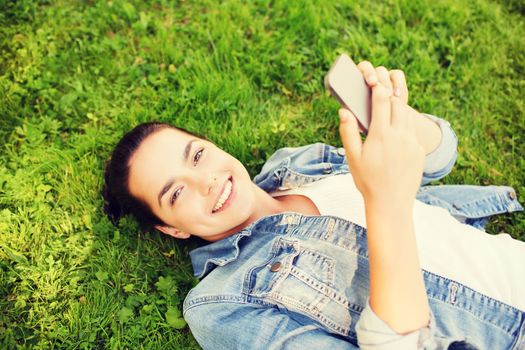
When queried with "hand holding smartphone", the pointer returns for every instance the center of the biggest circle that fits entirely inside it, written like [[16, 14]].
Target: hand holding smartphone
[[347, 84]]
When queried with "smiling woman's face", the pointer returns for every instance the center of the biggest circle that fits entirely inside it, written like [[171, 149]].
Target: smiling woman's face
[[193, 186]]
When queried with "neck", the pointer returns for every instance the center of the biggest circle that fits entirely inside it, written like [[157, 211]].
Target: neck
[[266, 205]]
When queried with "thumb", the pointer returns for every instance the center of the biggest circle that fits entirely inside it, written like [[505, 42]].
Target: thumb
[[349, 132]]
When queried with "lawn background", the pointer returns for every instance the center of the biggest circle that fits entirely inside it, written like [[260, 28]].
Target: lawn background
[[76, 75]]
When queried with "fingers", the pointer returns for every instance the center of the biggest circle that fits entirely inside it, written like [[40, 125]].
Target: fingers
[[384, 77], [381, 110], [411, 120], [399, 113], [403, 116], [349, 132], [369, 72], [394, 79], [384, 84], [397, 77]]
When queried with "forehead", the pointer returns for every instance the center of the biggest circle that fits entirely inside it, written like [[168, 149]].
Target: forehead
[[165, 142], [156, 159]]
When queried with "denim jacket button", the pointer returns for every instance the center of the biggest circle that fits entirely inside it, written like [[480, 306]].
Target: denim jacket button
[[341, 151], [289, 220], [276, 266]]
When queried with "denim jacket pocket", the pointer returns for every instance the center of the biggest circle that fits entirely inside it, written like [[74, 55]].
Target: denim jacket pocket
[[300, 280]]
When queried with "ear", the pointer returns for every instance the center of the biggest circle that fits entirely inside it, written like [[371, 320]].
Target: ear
[[172, 231]]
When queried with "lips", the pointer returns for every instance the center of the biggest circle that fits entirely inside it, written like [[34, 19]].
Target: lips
[[227, 200]]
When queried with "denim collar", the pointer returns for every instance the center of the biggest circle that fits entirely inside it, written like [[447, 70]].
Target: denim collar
[[218, 253]]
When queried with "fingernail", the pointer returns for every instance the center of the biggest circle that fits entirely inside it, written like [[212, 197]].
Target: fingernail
[[343, 115], [371, 79], [397, 92]]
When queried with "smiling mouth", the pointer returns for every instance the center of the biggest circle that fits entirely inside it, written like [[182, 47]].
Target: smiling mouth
[[225, 198]]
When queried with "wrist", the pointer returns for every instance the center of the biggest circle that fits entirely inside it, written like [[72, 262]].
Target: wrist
[[385, 205]]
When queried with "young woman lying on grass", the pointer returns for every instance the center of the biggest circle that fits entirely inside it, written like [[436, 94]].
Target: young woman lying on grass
[[332, 248]]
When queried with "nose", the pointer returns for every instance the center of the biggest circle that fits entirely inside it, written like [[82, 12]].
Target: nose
[[206, 182]]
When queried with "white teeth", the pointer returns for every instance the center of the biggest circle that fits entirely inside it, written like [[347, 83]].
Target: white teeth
[[224, 196]]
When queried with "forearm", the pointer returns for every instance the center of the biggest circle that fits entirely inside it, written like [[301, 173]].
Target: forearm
[[397, 290], [428, 132]]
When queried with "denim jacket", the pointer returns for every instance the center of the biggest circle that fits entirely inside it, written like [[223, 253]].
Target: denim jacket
[[292, 281]]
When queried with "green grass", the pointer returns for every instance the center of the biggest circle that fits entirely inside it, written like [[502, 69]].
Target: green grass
[[76, 75]]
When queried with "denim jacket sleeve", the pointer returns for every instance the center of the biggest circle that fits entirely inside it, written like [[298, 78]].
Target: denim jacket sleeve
[[441, 161], [240, 326], [374, 334]]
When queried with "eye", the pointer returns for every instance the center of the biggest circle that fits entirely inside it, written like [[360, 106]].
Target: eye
[[197, 156], [175, 195]]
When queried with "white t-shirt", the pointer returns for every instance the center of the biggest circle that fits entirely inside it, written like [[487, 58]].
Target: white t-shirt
[[490, 264]]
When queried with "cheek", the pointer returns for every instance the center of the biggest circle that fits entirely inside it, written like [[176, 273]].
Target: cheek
[[182, 213], [193, 208], [186, 218]]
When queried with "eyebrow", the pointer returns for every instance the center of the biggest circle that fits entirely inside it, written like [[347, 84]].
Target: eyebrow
[[171, 181]]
